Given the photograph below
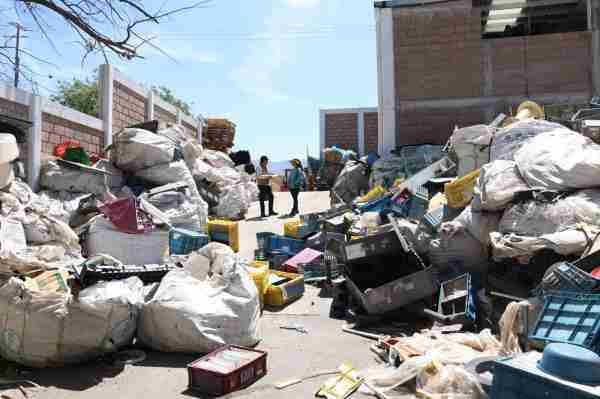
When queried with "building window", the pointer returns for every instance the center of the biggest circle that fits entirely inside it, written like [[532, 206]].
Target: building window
[[509, 18]]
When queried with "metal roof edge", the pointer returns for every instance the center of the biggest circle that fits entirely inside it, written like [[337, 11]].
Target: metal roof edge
[[406, 3]]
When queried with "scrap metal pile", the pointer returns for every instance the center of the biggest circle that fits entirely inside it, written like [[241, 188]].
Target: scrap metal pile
[[120, 249], [497, 234]]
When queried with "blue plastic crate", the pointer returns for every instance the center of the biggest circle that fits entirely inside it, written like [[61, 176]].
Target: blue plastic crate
[[519, 377], [182, 241], [288, 246], [570, 318]]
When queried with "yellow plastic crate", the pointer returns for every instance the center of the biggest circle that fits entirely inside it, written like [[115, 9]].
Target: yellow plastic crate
[[282, 294], [260, 274], [225, 231], [292, 229], [459, 192]]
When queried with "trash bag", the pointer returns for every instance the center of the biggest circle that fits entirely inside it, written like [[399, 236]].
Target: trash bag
[[568, 242], [498, 185], [437, 381], [509, 140], [352, 181], [234, 202], [165, 173], [560, 160], [479, 224], [53, 329], [137, 149], [539, 217], [217, 159], [213, 302], [57, 177], [471, 145], [180, 209], [131, 249]]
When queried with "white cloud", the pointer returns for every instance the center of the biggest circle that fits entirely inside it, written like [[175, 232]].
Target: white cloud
[[302, 3]]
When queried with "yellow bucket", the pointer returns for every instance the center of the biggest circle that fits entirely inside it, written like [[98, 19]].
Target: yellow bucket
[[459, 192], [374, 194], [260, 274]]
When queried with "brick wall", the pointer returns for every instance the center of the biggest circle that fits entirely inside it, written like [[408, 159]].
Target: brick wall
[[164, 115], [437, 51], [439, 54], [129, 107], [56, 130], [371, 131], [434, 126], [342, 130], [557, 63]]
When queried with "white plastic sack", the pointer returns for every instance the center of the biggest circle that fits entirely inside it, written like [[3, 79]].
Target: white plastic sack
[[471, 146], [52, 329], [568, 242], [180, 210], [535, 218], [560, 160], [137, 149], [234, 203], [56, 177], [175, 133], [12, 236], [497, 186], [479, 224], [217, 159], [165, 173], [212, 303], [131, 249], [509, 140], [7, 174], [35, 257]]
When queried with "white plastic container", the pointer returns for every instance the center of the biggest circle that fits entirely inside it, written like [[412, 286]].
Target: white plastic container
[[9, 151]]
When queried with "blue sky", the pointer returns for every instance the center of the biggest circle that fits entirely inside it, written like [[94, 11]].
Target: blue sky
[[268, 65]]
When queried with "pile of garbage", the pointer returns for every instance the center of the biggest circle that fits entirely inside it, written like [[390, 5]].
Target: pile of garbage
[[120, 248], [495, 234]]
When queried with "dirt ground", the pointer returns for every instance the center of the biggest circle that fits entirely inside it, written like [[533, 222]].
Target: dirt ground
[[290, 354]]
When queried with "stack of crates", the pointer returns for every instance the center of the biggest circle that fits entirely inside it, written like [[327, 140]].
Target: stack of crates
[[226, 232]]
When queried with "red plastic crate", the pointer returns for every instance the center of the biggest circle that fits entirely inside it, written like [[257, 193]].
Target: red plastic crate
[[214, 375]]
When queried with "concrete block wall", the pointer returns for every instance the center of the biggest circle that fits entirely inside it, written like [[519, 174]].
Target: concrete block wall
[[124, 103], [342, 130], [437, 52], [350, 128], [129, 106], [371, 127], [56, 130], [435, 70]]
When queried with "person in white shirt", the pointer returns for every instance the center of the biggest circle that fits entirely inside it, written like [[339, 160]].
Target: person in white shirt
[[263, 179]]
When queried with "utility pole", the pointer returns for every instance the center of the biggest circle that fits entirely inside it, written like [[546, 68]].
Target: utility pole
[[17, 51]]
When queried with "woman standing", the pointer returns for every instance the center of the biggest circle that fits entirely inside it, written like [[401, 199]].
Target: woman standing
[[295, 182]]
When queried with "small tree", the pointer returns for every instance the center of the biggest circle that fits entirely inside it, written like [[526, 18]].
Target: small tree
[[82, 95], [167, 95]]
